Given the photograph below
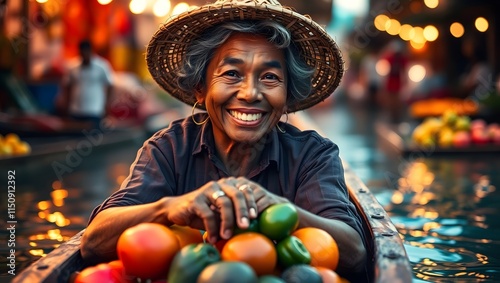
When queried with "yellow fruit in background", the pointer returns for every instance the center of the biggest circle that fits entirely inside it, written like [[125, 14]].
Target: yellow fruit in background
[[420, 133], [21, 148], [462, 123], [433, 125], [449, 117], [11, 139], [445, 139], [5, 149]]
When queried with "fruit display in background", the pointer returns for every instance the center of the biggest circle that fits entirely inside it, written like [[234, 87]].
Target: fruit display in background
[[451, 130], [12, 145]]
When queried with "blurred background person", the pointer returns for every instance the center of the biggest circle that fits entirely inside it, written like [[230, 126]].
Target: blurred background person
[[394, 81], [368, 76], [87, 87]]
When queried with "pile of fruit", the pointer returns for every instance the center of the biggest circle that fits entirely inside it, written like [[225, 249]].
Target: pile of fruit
[[271, 250], [12, 145], [453, 130]]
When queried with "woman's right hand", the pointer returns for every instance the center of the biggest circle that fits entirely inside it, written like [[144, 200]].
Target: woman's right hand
[[216, 207]]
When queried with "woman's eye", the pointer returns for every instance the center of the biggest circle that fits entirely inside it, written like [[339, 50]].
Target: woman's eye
[[231, 74], [270, 76]]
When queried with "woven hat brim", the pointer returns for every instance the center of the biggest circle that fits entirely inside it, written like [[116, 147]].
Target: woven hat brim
[[168, 45]]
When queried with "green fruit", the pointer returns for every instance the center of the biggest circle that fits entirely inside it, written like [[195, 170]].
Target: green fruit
[[253, 227], [291, 251], [278, 221], [462, 124], [228, 272], [190, 261], [270, 279], [300, 273]]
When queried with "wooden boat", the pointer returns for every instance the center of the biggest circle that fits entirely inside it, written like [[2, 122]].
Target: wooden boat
[[389, 261]]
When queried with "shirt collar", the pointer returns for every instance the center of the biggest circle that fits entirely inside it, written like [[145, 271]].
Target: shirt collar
[[205, 141]]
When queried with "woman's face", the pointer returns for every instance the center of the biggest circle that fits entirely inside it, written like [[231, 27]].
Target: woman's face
[[246, 88]]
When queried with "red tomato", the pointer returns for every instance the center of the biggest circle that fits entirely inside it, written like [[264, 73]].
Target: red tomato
[[147, 250], [119, 273], [101, 273]]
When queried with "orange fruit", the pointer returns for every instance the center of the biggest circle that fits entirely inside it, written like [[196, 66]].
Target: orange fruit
[[328, 275], [322, 247], [187, 235], [254, 249], [147, 249]]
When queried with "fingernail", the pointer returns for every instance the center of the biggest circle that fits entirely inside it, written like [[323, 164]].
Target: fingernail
[[244, 222], [253, 213], [227, 234]]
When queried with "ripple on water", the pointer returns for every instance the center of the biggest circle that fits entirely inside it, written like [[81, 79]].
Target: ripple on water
[[450, 250]]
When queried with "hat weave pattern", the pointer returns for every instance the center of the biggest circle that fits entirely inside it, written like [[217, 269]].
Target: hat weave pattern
[[167, 48]]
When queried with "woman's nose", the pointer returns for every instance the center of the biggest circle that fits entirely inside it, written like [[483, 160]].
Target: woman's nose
[[249, 91]]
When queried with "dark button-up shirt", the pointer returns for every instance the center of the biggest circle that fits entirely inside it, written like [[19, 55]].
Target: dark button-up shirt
[[302, 166]]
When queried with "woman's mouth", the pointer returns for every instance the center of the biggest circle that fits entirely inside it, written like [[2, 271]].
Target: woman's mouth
[[246, 117]]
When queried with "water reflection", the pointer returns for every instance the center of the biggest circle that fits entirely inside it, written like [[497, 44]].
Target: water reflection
[[50, 210], [446, 211]]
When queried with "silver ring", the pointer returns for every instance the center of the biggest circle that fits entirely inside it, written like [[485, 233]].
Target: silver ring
[[244, 187], [218, 194]]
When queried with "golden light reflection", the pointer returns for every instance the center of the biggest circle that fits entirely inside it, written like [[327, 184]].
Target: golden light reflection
[[137, 6], [457, 30], [58, 197], [404, 32], [43, 205], [37, 252], [428, 262], [161, 8], [180, 8], [430, 225], [397, 197], [431, 3], [380, 22], [33, 244], [481, 24], [42, 214], [417, 35], [56, 185], [431, 33], [392, 27], [104, 2]]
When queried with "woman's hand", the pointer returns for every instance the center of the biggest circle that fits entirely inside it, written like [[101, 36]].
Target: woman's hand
[[220, 205]]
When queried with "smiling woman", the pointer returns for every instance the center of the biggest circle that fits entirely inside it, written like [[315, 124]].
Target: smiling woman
[[246, 63]]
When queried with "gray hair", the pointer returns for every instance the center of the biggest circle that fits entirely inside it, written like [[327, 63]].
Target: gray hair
[[199, 53]]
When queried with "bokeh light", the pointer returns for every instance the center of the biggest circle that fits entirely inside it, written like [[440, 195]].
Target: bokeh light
[[393, 26], [104, 2], [161, 8], [180, 8], [380, 22], [431, 33], [416, 73], [457, 29], [137, 6], [383, 67], [404, 32], [431, 3], [481, 24]]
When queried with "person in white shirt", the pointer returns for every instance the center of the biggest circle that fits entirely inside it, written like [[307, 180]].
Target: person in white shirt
[[88, 87]]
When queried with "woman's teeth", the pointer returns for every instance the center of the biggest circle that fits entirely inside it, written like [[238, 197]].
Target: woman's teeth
[[244, 116]]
